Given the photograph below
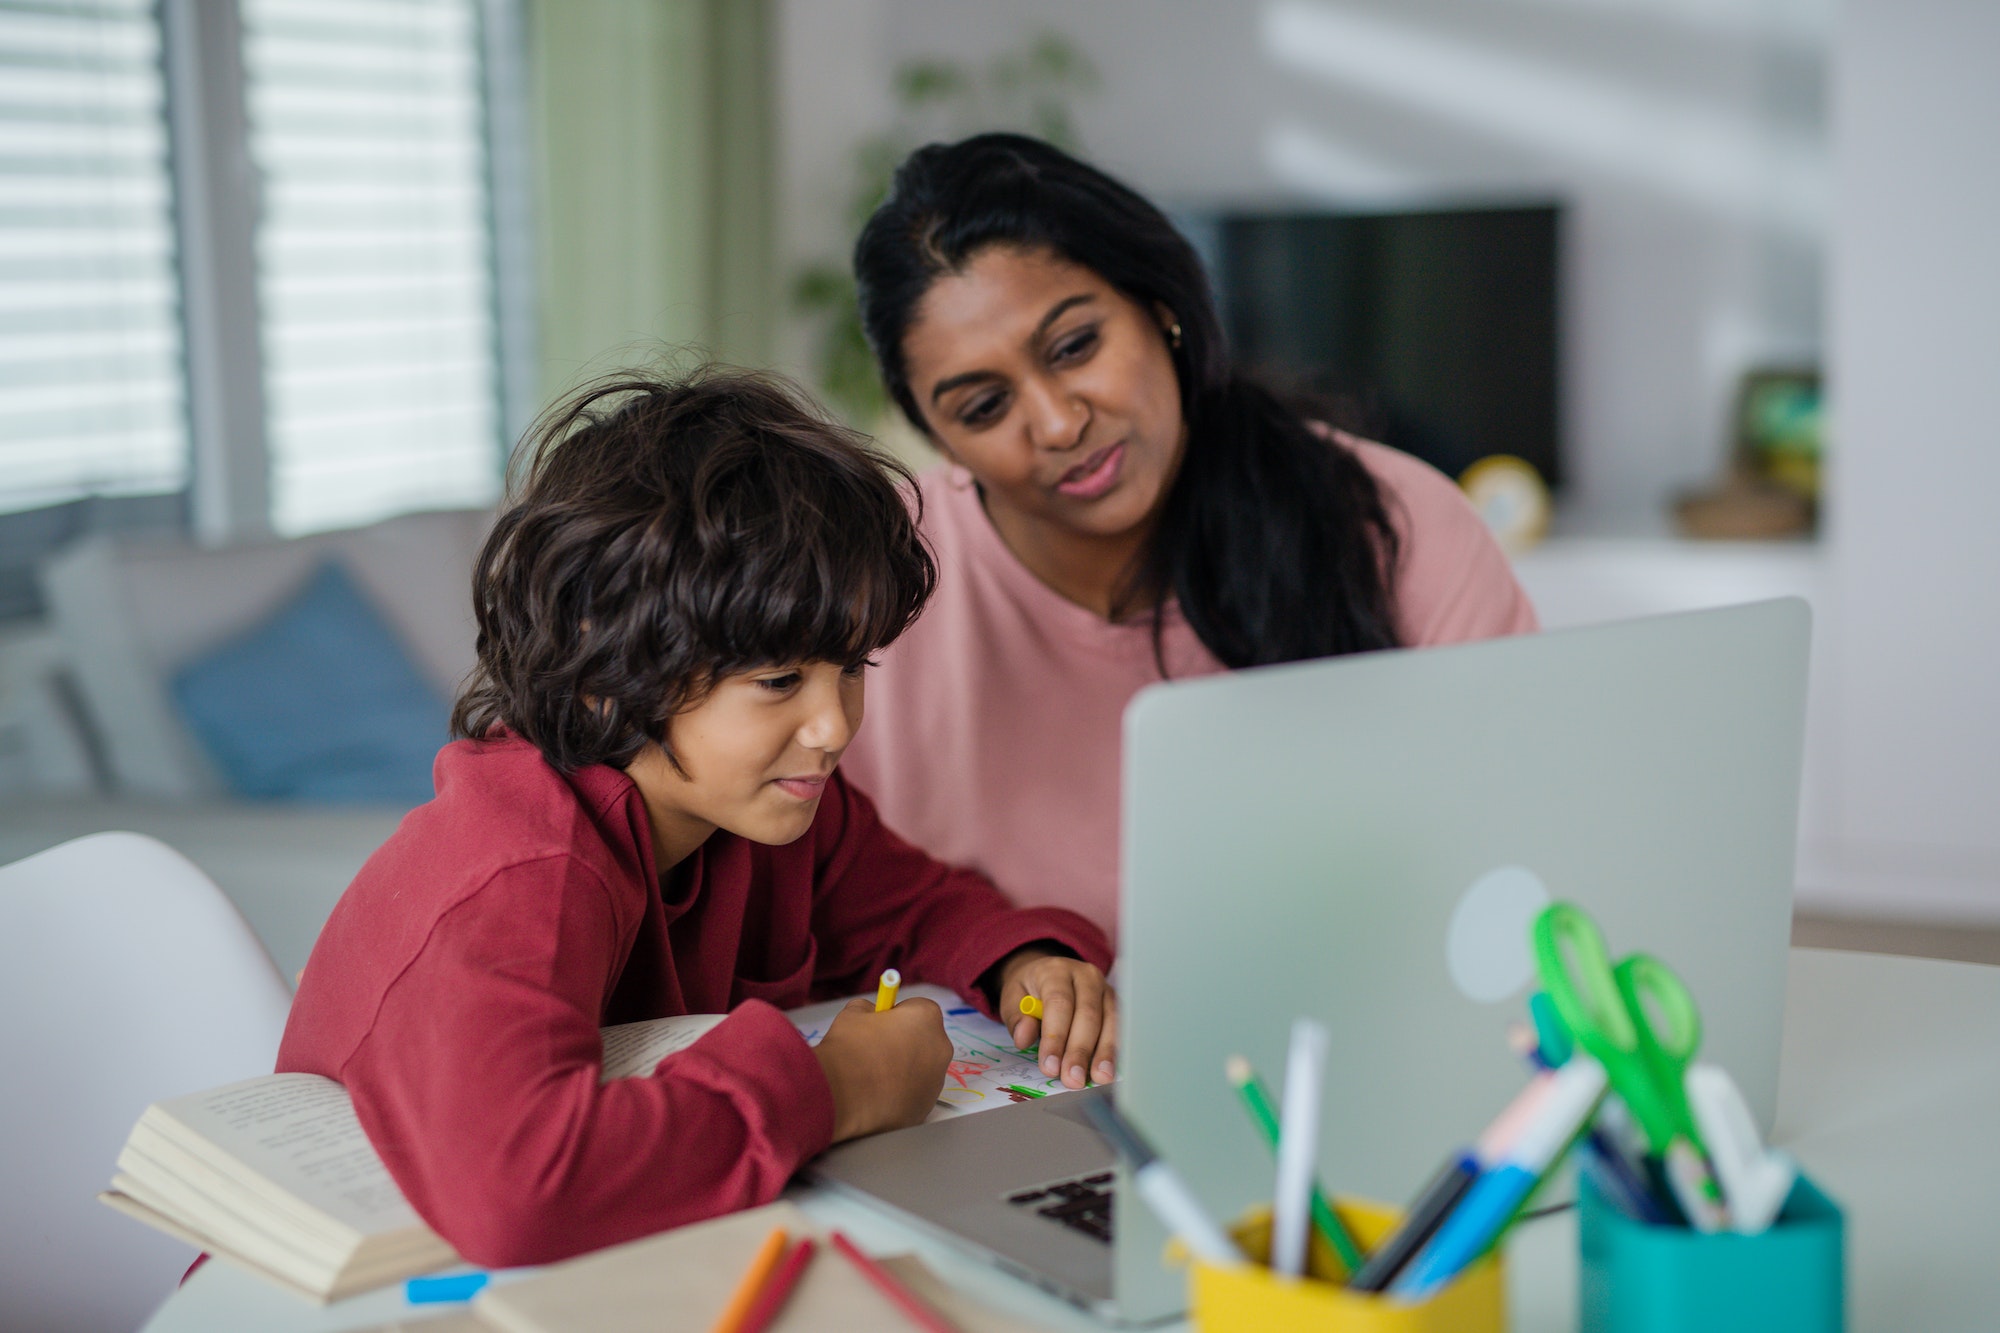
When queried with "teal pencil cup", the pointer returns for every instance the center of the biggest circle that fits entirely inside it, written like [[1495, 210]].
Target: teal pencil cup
[[1636, 1278]]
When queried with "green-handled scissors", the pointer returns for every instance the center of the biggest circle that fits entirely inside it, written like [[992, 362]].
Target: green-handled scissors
[[1612, 1012]]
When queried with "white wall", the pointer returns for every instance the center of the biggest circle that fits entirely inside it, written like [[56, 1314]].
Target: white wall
[[1687, 135], [1915, 553], [1691, 138], [832, 85]]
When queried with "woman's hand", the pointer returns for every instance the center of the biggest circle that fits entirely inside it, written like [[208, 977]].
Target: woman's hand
[[1078, 1028], [886, 1070]]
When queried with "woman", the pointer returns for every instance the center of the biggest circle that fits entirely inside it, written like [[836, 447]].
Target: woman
[[1119, 508]]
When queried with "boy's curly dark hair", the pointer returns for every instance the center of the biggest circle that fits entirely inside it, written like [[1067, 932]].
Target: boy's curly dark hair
[[664, 532]]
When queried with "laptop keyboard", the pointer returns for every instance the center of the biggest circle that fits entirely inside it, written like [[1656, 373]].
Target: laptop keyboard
[[1082, 1204]]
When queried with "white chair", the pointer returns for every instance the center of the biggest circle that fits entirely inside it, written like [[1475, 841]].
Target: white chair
[[125, 977]]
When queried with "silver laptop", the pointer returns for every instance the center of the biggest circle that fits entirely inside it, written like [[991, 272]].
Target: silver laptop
[[1364, 840]]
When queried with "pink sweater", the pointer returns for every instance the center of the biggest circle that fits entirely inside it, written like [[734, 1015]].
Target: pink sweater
[[992, 733]]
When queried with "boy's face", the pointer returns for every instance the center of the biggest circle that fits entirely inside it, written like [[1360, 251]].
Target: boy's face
[[755, 754]]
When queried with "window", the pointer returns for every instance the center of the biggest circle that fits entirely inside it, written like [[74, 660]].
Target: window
[[314, 343], [374, 263], [91, 381]]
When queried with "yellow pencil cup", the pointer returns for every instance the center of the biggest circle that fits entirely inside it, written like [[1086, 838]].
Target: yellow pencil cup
[[1252, 1300]]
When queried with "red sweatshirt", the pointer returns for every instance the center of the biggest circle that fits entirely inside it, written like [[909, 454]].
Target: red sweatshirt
[[459, 985]]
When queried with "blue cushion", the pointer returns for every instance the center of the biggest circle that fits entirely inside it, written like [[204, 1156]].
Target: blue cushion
[[318, 703]]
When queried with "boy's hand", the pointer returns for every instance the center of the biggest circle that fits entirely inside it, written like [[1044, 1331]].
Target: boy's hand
[[886, 1070], [1078, 1028]]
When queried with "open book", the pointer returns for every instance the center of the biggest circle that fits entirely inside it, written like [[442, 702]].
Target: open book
[[276, 1174]]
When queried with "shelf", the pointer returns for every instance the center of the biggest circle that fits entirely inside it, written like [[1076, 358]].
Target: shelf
[[1578, 579]]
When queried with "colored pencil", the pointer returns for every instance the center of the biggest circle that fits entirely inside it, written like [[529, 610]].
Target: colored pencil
[[911, 1304], [772, 1299], [1265, 1116], [754, 1277]]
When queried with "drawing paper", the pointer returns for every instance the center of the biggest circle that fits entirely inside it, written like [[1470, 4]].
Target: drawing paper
[[984, 1060]]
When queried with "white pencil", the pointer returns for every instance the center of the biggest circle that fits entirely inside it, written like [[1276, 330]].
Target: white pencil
[[1298, 1147]]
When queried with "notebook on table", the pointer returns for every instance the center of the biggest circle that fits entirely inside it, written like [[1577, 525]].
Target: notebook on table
[[680, 1281]]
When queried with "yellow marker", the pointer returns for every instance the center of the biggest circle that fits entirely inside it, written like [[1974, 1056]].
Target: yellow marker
[[885, 994], [1030, 1007]]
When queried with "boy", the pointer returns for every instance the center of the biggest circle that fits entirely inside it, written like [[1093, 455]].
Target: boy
[[643, 818]]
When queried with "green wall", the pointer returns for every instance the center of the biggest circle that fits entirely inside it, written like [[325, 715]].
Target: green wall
[[653, 181]]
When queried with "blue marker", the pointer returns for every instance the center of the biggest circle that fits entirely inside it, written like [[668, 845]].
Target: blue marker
[[1619, 1176], [442, 1290], [1449, 1187], [1493, 1200]]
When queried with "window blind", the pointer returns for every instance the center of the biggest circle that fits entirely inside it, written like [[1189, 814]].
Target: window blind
[[91, 382], [374, 257]]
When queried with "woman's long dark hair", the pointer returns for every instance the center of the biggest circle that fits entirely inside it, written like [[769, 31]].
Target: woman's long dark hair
[[1275, 542]]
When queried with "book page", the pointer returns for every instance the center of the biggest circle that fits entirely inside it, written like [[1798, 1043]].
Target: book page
[[196, 1179], [299, 1132], [140, 1211], [633, 1050], [260, 1245]]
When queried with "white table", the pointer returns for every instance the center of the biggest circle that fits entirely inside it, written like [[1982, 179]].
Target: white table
[[1889, 1093]]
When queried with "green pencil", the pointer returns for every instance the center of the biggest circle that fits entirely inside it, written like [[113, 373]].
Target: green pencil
[[1258, 1102], [1025, 1092]]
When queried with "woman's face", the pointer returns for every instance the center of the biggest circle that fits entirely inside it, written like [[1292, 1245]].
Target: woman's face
[[1055, 390]]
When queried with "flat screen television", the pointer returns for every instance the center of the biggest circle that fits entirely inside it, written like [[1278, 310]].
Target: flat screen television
[[1434, 331]]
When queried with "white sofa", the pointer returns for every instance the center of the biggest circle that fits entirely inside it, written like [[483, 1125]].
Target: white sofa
[[127, 614], [130, 613]]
